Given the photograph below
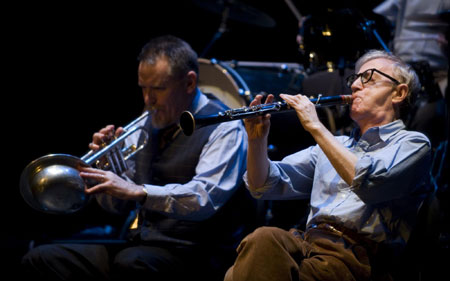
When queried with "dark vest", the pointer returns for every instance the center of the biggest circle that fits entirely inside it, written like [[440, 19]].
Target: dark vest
[[175, 163]]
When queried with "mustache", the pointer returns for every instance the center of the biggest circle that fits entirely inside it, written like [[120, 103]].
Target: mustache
[[150, 109]]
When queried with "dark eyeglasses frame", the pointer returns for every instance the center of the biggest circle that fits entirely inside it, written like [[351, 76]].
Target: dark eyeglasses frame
[[352, 78]]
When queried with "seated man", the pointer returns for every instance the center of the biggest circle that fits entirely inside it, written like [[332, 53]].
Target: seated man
[[181, 185], [364, 189]]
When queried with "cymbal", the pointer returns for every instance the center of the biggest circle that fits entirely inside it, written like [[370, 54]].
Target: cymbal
[[238, 12]]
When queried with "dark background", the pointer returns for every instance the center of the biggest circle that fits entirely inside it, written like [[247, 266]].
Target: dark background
[[68, 70]]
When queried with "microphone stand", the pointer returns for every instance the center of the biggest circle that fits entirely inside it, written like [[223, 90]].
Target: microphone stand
[[367, 25], [222, 27]]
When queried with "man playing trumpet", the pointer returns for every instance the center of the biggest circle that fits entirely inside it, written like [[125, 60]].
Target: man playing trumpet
[[182, 186]]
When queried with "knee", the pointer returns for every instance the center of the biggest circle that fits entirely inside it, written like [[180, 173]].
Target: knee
[[127, 259], [264, 237], [148, 259], [151, 263], [265, 253], [38, 255], [37, 261]]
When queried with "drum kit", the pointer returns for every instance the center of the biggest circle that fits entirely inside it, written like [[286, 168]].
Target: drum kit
[[332, 41]]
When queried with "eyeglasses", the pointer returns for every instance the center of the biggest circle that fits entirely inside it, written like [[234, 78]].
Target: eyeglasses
[[366, 76]]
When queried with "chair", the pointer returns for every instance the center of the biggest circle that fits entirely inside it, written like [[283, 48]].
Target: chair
[[416, 261]]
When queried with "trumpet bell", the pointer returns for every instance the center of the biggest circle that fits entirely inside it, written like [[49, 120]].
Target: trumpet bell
[[52, 184]]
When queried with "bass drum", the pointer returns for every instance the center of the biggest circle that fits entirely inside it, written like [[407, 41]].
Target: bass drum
[[269, 77], [224, 83], [236, 83]]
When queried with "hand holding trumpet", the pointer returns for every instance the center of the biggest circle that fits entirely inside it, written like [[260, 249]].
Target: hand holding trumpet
[[112, 184], [105, 135], [40, 181], [109, 182]]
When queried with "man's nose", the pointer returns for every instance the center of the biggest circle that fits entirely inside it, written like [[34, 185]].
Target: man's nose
[[356, 85], [149, 97]]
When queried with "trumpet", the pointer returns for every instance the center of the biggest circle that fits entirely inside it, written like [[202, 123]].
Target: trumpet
[[189, 123], [52, 183]]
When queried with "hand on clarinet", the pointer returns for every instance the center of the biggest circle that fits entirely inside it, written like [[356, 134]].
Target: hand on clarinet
[[305, 109], [258, 127]]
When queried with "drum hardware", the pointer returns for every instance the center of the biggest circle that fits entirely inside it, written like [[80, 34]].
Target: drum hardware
[[189, 123], [369, 27], [294, 10], [325, 33], [232, 10], [279, 66], [237, 11], [52, 183]]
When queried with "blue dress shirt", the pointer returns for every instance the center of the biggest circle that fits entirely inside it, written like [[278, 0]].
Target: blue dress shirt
[[219, 172], [381, 202]]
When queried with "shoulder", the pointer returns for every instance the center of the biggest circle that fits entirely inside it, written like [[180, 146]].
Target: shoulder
[[411, 136]]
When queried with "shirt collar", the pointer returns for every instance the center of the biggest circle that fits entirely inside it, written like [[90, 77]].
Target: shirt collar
[[199, 101], [388, 130], [379, 133]]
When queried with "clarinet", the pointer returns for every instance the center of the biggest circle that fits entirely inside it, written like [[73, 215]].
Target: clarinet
[[189, 123]]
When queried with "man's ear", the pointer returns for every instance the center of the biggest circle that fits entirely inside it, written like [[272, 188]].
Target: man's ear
[[400, 94], [191, 81]]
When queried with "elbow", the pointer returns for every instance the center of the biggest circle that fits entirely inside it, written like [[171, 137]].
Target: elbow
[[349, 179]]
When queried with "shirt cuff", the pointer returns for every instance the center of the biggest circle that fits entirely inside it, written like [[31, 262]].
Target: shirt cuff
[[153, 193], [272, 178]]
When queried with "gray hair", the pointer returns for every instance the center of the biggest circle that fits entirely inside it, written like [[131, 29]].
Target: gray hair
[[402, 71]]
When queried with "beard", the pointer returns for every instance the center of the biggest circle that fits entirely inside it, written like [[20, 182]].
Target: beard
[[162, 119]]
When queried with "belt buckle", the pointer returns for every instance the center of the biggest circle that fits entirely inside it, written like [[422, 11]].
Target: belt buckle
[[328, 227], [333, 229]]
